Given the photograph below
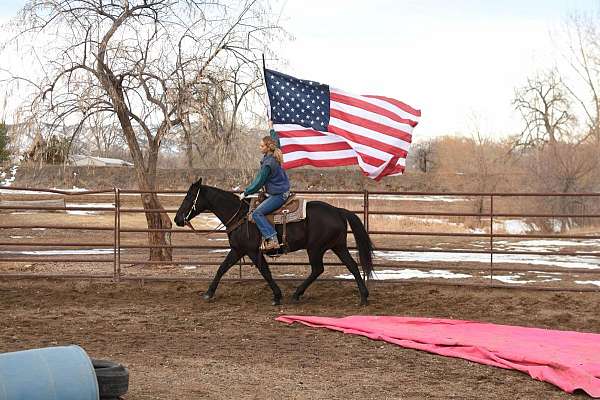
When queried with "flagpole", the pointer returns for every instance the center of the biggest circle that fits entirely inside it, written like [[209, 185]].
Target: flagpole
[[266, 89]]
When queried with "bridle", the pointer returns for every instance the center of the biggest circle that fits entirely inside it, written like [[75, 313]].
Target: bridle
[[221, 225], [187, 217]]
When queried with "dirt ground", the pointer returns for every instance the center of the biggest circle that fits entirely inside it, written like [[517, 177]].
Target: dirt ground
[[178, 346]]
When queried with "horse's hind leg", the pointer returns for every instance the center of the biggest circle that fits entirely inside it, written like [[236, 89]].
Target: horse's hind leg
[[316, 265], [344, 256], [261, 263]]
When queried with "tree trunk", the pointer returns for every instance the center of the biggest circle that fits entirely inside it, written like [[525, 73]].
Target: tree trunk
[[189, 153], [156, 220], [147, 182]]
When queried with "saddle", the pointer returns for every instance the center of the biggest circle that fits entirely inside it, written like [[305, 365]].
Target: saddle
[[293, 210]]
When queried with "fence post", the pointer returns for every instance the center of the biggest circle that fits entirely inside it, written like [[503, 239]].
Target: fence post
[[366, 209], [491, 239], [118, 232], [366, 221], [115, 237]]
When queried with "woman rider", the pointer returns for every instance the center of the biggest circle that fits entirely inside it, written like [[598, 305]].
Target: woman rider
[[277, 186]]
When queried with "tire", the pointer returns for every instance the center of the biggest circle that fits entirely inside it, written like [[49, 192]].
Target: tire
[[113, 378]]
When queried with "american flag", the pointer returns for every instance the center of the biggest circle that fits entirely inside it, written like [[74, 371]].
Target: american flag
[[327, 127]]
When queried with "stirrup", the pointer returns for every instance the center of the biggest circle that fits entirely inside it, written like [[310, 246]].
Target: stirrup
[[268, 245]]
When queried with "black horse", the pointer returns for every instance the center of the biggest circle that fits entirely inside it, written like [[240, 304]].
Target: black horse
[[324, 228]]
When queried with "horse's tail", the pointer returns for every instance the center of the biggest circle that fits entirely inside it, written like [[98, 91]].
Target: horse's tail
[[363, 242]]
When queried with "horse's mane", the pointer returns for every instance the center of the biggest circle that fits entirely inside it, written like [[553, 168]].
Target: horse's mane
[[220, 196]]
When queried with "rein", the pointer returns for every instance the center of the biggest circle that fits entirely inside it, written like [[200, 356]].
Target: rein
[[221, 225]]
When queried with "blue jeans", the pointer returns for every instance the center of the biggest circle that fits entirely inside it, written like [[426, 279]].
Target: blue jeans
[[272, 203]]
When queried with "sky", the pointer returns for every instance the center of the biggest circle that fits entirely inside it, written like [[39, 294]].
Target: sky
[[458, 61]]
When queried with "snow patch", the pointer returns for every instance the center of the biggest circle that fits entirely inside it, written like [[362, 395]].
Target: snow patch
[[545, 244], [387, 197], [108, 206], [13, 174], [516, 279], [597, 283], [516, 226], [59, 252], [410, 274], [559, 261]]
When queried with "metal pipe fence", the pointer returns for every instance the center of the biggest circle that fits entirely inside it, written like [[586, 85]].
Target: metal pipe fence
[[114, 246]]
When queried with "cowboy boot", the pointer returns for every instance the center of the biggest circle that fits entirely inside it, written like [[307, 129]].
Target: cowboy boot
[[270, 244]]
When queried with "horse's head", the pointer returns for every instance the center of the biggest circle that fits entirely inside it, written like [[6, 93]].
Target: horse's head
[[193, 204]]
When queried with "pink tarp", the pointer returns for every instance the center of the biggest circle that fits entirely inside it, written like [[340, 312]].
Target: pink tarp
[[569, 360]]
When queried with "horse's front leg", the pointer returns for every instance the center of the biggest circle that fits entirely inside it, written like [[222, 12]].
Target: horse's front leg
[[231, 258], [259, 260]]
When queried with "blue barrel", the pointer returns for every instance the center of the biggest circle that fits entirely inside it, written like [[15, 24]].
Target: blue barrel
[[52, 373]]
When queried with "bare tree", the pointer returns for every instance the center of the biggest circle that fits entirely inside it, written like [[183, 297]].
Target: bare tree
[[583, 56], [545, 108], [559, 154], [423, 155], [487, 161], [141, 61], [104, 133], [219, 110]]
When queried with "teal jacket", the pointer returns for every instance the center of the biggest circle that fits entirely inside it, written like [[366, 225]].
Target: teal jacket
[[264, 172]]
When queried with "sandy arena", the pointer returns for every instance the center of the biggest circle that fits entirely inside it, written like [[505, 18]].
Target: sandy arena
[[177, 346]]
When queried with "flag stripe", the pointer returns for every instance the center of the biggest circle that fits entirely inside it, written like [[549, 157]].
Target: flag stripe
[[294, 127], [370, 170], [381, 104], [338, 162], [299, 133], [331, 138], [320, 155], [374, 161], [368, 149], [372, 125], [403, 106], [329, 159], [374, 108], [370, 135], [308, 140], [351, 132], [289, 148], [312, 156], [366, 114], [398, 170]]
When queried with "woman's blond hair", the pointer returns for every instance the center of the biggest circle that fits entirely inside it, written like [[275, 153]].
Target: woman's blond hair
[[273, 149]]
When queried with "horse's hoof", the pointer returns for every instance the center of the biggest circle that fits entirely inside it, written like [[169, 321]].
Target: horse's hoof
[[207, 296], [296, 299], [364, 302], [276, 302]]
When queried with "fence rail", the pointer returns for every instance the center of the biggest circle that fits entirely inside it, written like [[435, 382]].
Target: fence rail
[[114, 247]]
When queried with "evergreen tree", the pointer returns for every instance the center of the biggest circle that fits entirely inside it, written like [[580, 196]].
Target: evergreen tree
[[4, 153]]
